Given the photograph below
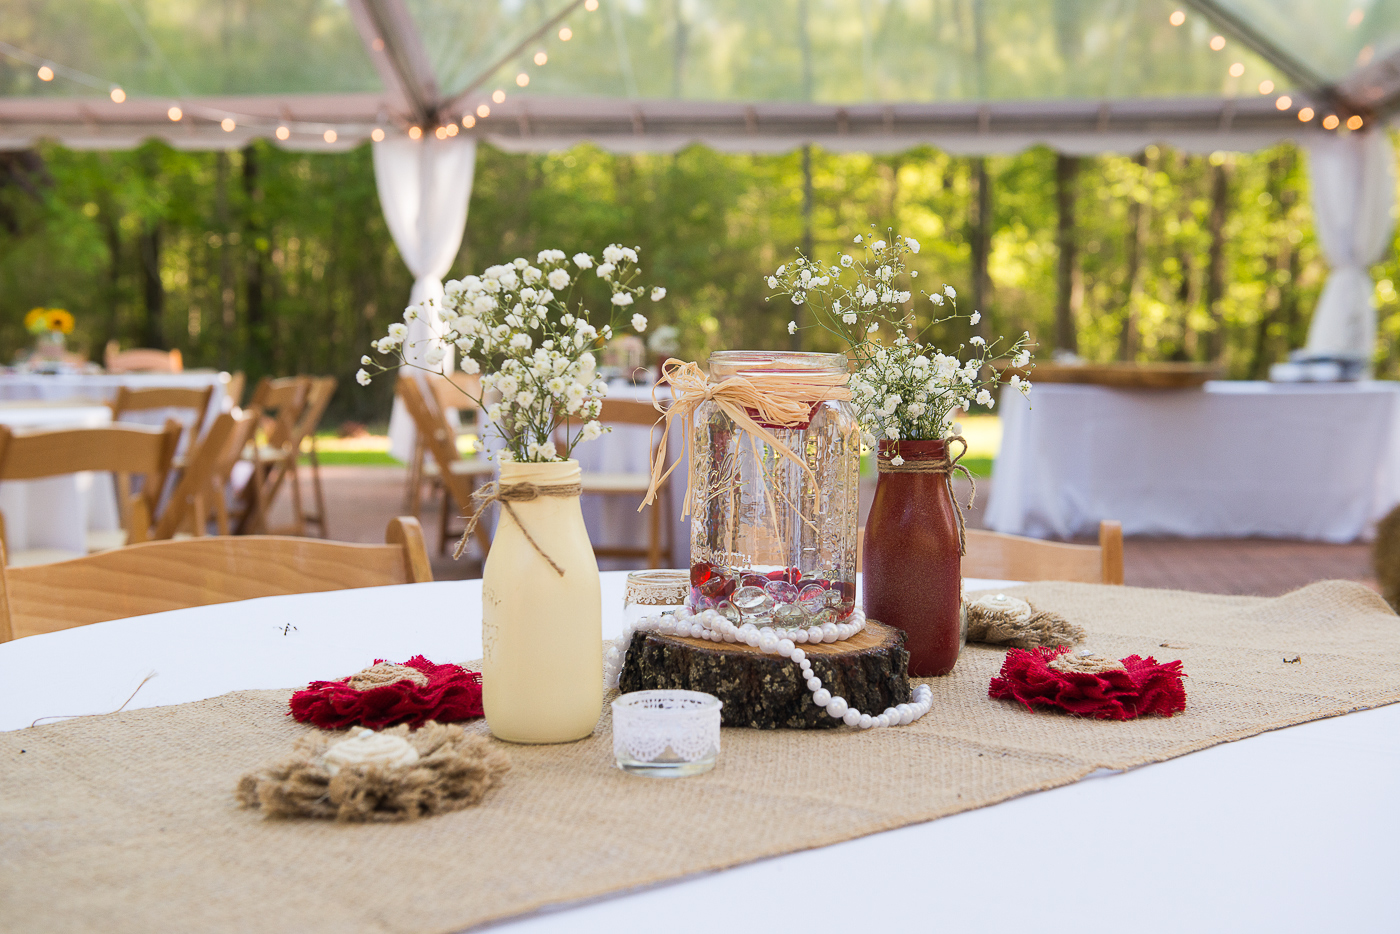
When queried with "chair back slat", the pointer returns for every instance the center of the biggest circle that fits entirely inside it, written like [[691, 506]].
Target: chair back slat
[[432, 425], [997, 556], [142, 360], [154, 577], [136, 449], [628, 412], [160, 397], [318, 397], [207, 472]]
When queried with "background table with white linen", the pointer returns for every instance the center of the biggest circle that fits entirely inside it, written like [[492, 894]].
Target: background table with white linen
[[1230, 460], [1287, 831], [99, 388], [50, 518]]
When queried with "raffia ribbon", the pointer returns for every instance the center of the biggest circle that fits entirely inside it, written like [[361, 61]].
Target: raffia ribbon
[[944, 465], [782, 398], [494, 492]]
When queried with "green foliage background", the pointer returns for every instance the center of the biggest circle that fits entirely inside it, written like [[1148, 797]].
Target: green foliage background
[[76, 231]]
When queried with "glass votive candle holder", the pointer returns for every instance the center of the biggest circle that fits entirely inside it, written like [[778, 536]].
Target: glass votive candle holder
[[650, 593], [666, 734]]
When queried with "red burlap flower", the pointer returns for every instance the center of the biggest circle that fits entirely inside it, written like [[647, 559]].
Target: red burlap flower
[[1141, 686], [451, 694]]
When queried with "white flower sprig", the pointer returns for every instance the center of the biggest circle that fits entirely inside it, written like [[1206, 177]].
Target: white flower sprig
[[904, 389], [533, 348]]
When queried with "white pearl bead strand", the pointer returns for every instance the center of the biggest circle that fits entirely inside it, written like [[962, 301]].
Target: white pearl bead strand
[[714, 627]]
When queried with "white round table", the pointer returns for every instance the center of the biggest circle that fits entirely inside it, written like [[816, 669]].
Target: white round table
[[48, 519], [1288, 831]]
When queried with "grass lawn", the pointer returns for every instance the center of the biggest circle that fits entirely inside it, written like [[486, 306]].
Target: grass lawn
[[983, 434]]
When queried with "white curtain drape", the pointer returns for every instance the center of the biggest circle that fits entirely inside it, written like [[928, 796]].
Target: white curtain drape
[[424, 188], [1353, 197]]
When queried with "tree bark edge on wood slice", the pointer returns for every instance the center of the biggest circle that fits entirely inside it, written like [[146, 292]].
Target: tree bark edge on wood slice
[[870, 670]]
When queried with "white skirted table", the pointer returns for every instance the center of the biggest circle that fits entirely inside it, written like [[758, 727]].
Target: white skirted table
[[1289, 830], [1230, 460], [49, 519], [98, 388]]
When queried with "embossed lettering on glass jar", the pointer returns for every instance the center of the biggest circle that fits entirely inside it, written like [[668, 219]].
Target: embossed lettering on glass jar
[[773, 537]]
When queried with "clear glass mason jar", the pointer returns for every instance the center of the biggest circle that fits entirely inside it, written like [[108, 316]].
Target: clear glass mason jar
[[772, 542]]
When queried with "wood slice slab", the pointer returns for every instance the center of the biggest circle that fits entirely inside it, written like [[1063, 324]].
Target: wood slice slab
[[871, 671]]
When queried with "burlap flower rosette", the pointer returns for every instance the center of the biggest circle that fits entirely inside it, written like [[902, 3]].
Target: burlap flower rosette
[[447, 770]]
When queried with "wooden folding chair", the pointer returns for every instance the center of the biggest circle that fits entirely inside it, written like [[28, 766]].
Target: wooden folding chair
[[142, 360], [233, 388], [205, 479], [157, 576], [281, 402], [997, 556], [459, 475], [318, 397], [634, 486], [457, 393], [127, 449]]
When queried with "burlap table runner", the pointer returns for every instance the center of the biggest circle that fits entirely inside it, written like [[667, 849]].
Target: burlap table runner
[[127, 822]]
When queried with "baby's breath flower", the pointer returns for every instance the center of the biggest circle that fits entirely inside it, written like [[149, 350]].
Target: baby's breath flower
[[362, 377], [792, 327]]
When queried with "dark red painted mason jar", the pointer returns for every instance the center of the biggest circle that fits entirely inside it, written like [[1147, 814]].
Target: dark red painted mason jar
[[911, 566]]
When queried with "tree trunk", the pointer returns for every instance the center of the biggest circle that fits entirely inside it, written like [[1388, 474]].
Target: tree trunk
[[980, 240], [1215, 265], [1139, 219], [228, 309], [152, 288], [1278, 286], [808, 235], [259, 328], [1069, 285]]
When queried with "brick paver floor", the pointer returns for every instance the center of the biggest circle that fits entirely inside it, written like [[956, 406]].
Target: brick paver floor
[[361, 500]]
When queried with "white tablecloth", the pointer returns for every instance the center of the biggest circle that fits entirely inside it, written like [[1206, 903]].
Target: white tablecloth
[[1288, 831], [56, 513], [99, 388], [1232, 460]]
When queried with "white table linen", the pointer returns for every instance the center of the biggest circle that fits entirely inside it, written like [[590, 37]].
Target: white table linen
[[1288, 831], [50, 518], [1231, 460], [102, 388]]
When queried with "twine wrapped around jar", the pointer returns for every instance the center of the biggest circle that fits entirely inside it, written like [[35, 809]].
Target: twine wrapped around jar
[[780, 399]]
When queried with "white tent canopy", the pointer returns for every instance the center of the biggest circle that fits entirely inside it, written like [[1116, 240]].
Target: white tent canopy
[[426, 79]]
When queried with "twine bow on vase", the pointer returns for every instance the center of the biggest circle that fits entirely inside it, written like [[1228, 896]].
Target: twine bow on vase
[[945, 465], [495, 492]]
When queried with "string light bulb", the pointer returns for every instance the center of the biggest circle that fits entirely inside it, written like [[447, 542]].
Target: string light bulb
[[1306, 114], [1177, 18], [377, 135], [1266, 86], [227, 124], [483, 111], [118, 95], [565, 34], [541, 58], [1354, 122], [1284, 102], [45, 73], [440, 132], [1330, 122], [451, 129], [175, 113], [468, 120], [1217, 43], [283, 133], [522, 79], [329, 136], [1236, 69], [415, 132], [590, 5], [498, 96]]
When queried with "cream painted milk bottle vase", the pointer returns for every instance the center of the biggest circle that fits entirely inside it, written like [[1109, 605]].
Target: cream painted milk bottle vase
[[542, 665]]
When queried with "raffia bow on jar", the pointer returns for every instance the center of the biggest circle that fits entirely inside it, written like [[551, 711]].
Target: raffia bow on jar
[[777, 399], [774, 452]]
